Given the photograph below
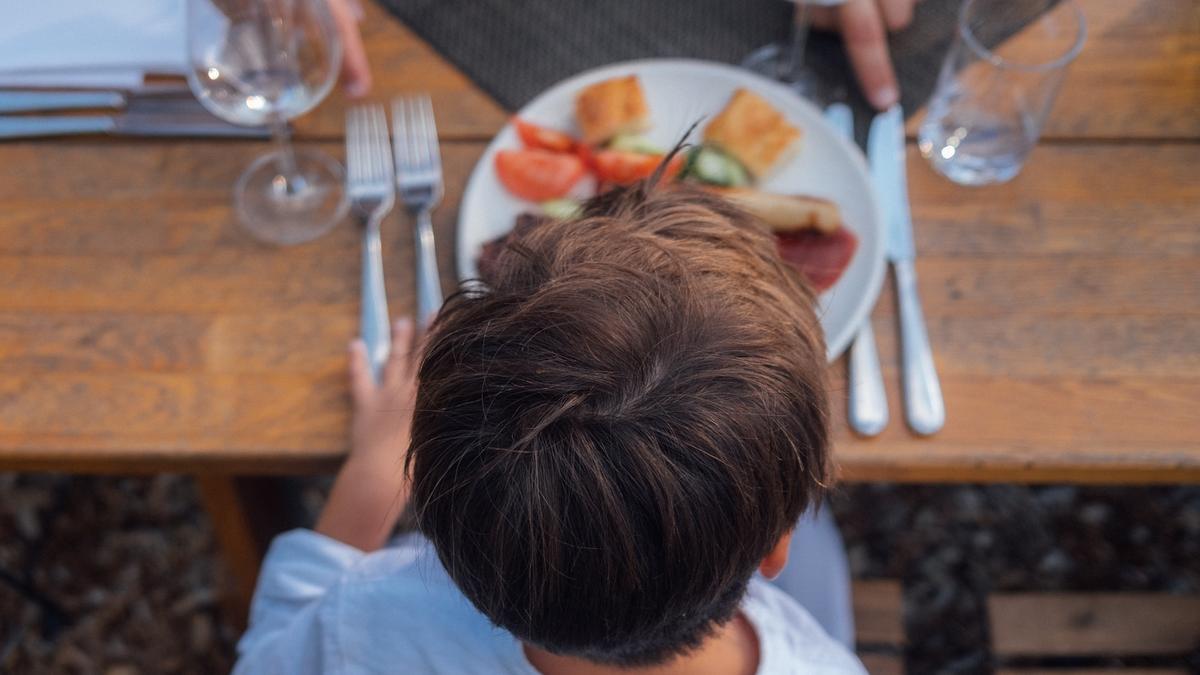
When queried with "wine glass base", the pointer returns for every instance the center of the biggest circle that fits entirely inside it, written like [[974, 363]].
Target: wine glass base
[[285, 212], [769, 61]]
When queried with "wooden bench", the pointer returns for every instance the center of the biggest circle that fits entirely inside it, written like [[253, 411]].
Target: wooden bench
[[1092, 633], [879, 625]]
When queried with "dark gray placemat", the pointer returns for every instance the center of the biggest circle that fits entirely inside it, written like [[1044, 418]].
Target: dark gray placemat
[[515, 49]]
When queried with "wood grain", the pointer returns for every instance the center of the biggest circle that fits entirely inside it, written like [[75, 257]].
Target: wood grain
[[1138, 75], [142, 330], [878, 613], [1083, 624]]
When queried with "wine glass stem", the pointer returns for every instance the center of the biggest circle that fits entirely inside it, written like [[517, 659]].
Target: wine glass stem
[[289, 181], [792, 65]]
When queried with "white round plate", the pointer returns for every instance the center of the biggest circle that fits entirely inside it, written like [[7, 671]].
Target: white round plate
[[679, 92]]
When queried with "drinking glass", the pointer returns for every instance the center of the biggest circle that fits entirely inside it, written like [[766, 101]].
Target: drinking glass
[[989, 105], [257, 62], [784, 61]]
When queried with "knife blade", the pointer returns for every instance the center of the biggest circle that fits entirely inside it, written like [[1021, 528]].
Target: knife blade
[[155, 98], [885, 151], [12, 127], [924, 408], [867, 411]]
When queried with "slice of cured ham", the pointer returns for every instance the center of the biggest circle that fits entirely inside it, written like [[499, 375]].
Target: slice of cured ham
[[820, 257]]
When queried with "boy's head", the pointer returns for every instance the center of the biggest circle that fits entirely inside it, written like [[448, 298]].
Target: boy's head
[[612, 437]]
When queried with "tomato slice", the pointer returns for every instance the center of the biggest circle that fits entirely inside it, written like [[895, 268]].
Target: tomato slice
[[538, 175], [623, 168], [534, 136]]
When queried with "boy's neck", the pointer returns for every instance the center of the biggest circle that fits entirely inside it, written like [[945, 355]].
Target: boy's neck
[[733, 650]]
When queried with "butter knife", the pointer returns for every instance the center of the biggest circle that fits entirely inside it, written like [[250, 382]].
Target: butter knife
[[164, 99], [18, 126], [924, 408], [868, 408]]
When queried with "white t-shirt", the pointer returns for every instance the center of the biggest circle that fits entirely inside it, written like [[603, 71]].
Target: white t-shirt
[[324, 607]]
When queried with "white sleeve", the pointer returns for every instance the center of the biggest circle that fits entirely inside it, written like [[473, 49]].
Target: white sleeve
[[285, 634]]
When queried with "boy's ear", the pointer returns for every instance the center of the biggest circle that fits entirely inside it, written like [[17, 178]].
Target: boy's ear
[[775, 561]]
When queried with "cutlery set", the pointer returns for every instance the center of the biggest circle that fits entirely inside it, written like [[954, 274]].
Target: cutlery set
[[924, 409], [408, 162], [162, 110], [377, 170]]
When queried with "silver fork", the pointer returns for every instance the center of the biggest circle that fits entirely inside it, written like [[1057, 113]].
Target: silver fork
[[419, 181], [372, 194]]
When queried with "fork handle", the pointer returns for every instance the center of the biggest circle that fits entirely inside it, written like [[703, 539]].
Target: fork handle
[[373, 320], [429, 283]]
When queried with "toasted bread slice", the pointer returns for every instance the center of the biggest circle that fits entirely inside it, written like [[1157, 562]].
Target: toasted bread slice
[[785, 213], [611, 107], [753, 131]]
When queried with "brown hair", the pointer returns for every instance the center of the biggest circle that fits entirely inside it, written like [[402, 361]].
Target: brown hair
[[612, 435]]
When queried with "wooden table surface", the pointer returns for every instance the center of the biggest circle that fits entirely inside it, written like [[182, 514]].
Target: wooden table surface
[[142, 330]]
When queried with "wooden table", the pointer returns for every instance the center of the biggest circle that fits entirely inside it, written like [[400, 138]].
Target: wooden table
[[141, 330]]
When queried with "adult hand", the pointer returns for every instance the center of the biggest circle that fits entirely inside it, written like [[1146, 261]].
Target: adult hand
[[864, 25], [356, 72], [372, 489]]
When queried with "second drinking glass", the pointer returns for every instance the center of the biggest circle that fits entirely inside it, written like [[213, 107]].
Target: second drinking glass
[[990, 103]]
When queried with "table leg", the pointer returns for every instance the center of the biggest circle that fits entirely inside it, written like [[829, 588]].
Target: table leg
[[246, 513]]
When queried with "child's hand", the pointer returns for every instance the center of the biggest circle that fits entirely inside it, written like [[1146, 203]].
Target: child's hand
[[371, 489], [383, 411]]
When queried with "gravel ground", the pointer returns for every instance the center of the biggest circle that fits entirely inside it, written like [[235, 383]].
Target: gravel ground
[[128, 566]]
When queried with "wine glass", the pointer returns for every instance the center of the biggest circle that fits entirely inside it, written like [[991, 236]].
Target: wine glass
[[264, 62], [784, 61]]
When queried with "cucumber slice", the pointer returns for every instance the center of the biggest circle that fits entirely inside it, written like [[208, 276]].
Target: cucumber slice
[[634, 143], [562, 209], [712, 166]]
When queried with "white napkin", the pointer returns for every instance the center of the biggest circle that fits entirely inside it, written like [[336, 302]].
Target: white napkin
[[90, 43]]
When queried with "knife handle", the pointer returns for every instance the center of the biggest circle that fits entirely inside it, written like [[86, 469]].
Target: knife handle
[[32, 101], [868, 413], [35, 127], [923, 404]]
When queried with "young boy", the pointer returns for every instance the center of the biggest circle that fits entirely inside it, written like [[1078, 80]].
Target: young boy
[[606, 446]]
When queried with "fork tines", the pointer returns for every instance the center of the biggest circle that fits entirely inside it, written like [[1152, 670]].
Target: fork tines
[[368, 161], [415, 142]]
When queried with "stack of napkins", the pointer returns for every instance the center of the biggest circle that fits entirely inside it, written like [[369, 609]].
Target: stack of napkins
[[91, 43]]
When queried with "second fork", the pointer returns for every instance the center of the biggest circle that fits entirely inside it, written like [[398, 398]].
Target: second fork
[[419, 181]]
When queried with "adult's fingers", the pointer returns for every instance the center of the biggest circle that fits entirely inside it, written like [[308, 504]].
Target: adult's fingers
[[400, 359], [362, 385], [897, 14], [356, 71], [824, 18], [866, 44]]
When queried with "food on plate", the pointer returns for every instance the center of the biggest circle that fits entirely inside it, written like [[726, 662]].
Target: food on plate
[[606, 109], [785, 213], [710, 165], [562, 209], [744, 142], [538, 175], [539, 137], [621, 167], [753, 131], [821, 257]]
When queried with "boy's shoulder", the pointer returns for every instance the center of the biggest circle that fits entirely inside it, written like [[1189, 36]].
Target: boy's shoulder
[[398, 606], [791, 640], [401, 600]]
